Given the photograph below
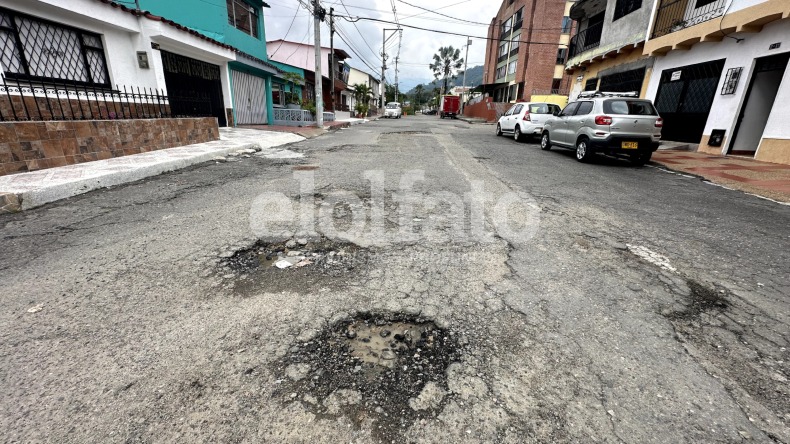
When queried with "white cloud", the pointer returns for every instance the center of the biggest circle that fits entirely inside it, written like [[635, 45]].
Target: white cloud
[[417, 46]]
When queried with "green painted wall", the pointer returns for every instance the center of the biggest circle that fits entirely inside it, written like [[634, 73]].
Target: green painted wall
[[210, 18]]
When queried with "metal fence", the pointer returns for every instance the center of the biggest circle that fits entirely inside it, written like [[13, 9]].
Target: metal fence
[[26, 101], [588, 38], [674, 15], [298, 117]]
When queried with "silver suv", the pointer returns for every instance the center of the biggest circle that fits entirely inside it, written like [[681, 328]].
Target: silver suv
[[611, 123]]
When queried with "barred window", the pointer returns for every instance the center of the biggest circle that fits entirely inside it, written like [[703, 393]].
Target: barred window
[[40, 50], [625, 7], [243, 16]]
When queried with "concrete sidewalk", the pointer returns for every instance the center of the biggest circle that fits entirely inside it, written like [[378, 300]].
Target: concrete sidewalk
[[764, 179], [28, 190]]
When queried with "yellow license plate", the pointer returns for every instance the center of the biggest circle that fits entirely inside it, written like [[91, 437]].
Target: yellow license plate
[[629, 145]]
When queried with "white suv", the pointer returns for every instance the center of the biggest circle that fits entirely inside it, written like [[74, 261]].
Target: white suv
[[525, 119], [617, 124]]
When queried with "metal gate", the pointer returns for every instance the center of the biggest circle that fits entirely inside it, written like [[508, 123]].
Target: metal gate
[[249, 98], [684, 98], [194, 88], [626, 81]]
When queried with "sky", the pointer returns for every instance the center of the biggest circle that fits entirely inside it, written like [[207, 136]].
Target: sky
[[287, 19]]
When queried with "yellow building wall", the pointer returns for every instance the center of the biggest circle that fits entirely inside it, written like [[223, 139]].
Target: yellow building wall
[[594, 68], [552, 98]]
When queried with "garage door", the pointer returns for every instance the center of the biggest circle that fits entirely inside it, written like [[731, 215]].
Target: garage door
[[249, 98]]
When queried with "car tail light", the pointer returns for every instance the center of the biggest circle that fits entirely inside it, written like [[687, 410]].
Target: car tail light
[[526, 117], [603, 120], [659, 122]]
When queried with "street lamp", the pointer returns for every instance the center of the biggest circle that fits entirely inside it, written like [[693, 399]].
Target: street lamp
[[463, 88]]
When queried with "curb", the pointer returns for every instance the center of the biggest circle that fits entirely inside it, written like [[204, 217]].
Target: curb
[[11, 201]]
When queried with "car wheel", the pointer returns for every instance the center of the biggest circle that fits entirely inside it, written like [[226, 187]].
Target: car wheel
[[517, 134], [545, 142], [498, 130], [583, 151], [639, 159]]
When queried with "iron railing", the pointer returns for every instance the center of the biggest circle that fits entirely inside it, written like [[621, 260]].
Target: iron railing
[[27, 100], [298, 117], [587, 39], [674, 15]]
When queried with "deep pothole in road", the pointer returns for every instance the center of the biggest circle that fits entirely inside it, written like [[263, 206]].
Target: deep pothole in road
[[701, 299], [385, 371]]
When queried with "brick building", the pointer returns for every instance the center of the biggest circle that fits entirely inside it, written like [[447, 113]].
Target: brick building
[[526, 50]]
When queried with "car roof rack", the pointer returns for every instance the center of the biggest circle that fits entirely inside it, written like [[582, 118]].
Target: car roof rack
[[587, 94]]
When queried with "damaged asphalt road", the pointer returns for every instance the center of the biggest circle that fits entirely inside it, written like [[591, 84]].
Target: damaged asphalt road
[[631, 305]]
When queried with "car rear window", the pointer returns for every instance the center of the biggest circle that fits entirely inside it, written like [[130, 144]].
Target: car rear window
[[629, 107], [392, 106], [539, 108]]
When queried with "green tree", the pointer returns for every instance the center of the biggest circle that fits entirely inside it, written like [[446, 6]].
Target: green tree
[[389, 93], [446, 64], [418, 90], [362, 94]]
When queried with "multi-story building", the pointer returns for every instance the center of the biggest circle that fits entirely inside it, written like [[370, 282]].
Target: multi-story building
[[606, 51], [721, 77], [302, 55], [518, 60]]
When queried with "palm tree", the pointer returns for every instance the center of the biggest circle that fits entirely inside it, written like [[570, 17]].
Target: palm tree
[[446, 64], [418, 94], [362, 94]]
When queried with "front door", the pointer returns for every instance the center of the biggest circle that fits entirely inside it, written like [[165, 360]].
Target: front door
[[194, 88], [684, 98], [768, 73], [249, 98]]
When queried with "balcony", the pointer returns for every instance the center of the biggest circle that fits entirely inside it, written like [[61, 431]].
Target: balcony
[[587, 39], [674, 15]]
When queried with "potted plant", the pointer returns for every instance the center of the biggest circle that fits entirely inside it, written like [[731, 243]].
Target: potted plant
[[292, 97]]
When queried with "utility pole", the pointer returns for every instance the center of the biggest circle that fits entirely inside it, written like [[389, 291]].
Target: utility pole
[[466, 59], [384, 65], [396, 78], [332, 53], [319, 96]]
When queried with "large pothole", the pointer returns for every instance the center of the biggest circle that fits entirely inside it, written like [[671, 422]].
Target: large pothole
[[385, 371]]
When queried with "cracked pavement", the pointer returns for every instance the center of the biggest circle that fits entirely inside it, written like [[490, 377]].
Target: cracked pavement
[[644, 307]]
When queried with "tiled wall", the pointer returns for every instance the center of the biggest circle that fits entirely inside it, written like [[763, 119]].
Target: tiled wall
[[30, 146]]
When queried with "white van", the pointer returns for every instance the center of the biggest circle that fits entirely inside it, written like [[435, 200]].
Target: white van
[[393, 110]]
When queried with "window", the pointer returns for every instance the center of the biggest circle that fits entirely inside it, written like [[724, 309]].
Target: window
[[556, 85], [507, 26], [562, 53], [309, 91], [50, 51], [539, 108], [278, 94], [630, 107], [511, 67], [517, 18], [625, 7], [518, 109], [566, 25], [701, 3], [514, 44], [511, 110], [503, 49], [591, 85], [626, 81], [500, 72], [243, 17], [570, 109], [584, 108]]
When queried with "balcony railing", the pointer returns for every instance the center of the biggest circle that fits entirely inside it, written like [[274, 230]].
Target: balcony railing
[[674, 15], [298, 117], [502, 58], [585, 40]]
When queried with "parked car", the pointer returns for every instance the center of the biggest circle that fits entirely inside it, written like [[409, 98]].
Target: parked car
[[393, 110], [525, 119], [430, 112], [617, 124]]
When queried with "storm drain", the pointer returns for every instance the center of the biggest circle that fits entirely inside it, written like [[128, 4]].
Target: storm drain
[[386, 370]]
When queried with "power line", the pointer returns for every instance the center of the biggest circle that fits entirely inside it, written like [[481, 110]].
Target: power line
[[371, 19], [443, 15], [286, 33], [364, 40]]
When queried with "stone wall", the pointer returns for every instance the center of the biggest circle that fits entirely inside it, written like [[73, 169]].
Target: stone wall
[[30, 146]]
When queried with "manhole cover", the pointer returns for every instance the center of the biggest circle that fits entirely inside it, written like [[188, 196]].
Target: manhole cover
[[389, 369]]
